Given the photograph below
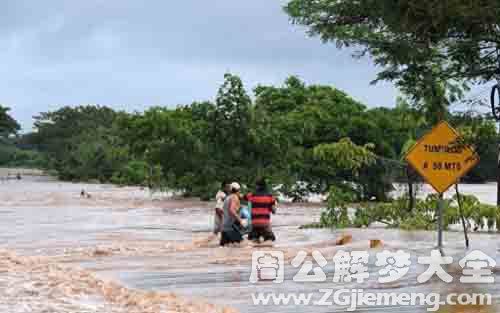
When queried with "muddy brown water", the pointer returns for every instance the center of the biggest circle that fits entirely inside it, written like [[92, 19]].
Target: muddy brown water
[[124, 235]]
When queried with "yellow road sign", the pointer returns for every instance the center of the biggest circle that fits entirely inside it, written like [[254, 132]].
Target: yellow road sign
[[439, 159]]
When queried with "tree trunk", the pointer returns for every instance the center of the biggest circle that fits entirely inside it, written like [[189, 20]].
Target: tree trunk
[[462, 217]]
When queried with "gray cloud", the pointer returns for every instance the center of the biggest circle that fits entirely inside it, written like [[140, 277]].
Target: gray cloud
[[133, 54]]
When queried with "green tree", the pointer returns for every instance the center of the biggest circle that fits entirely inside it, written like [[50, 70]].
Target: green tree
[[231, 128], [72, 133], [337, 157], [411, 41], [8, 125], [480, 133], [304, 117]]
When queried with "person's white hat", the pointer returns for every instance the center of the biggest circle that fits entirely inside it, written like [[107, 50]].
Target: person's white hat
[[235, 186]]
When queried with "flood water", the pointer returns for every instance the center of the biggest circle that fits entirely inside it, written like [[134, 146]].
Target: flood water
[[60, 250]]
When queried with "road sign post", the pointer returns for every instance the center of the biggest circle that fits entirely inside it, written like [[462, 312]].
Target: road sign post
[[440, 221], [441, 161]]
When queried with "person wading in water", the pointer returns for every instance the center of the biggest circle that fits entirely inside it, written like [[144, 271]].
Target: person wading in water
[[232, 221], [219, 206], [263, 205]]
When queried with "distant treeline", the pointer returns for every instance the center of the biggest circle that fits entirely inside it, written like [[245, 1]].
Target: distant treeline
[[11, 155], [279, 134]]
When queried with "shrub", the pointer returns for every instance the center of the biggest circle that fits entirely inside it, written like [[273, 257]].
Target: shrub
[[395, 215]]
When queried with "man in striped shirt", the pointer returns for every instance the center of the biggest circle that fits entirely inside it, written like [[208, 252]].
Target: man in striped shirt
[[263, 205]]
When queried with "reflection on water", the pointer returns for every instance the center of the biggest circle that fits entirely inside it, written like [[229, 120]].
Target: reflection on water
[[163, 246]]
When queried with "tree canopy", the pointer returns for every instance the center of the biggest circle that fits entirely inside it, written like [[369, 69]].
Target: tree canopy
[[8, 125], [303, 138], [461, 35], [430, 49]]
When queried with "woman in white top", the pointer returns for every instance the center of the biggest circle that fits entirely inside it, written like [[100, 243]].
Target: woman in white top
[[219, 211]]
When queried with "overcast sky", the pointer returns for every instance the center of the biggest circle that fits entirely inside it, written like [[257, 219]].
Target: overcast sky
[[131, 54]]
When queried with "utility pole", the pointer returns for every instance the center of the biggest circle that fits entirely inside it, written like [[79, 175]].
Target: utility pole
[[498, 172], [495, 109]]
